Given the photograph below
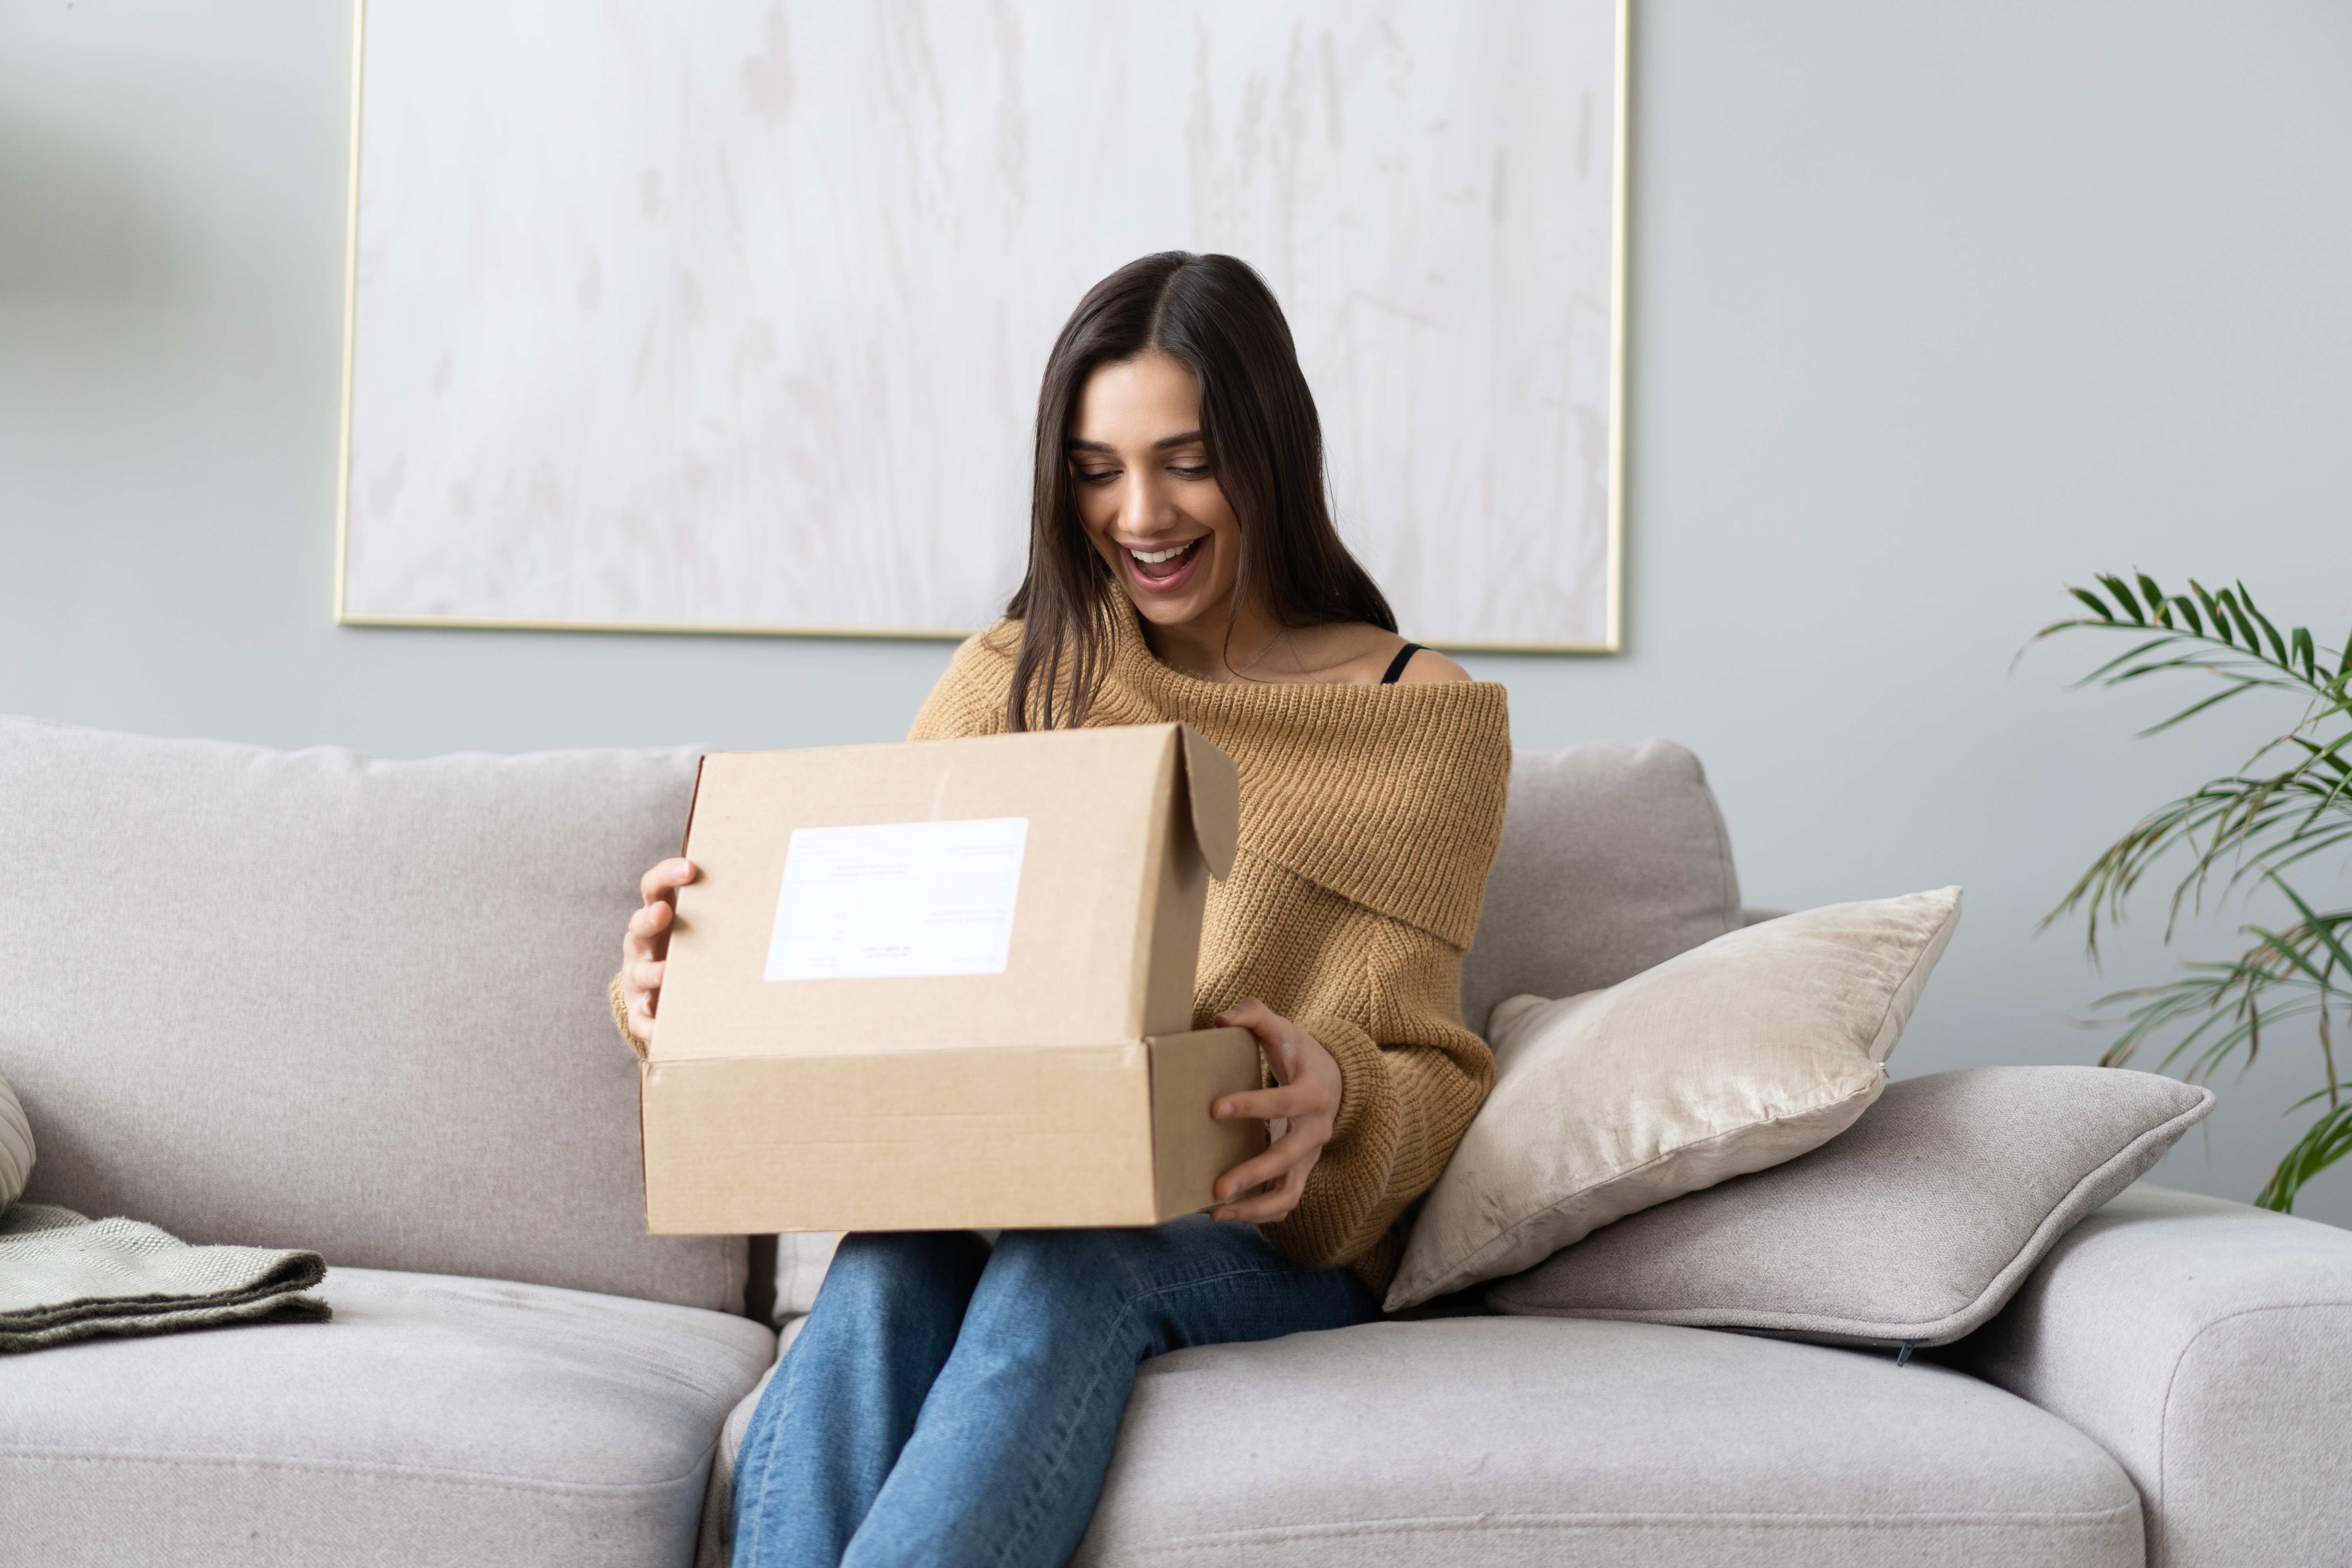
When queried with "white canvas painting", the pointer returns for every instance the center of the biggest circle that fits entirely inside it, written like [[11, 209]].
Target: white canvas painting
[[730, 315]]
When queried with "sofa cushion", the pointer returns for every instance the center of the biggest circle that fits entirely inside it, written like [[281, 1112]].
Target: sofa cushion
[[434, 1421], [1521, 1440], [1614, 859], [717, 1548], [1916, 1225], [1750, 1050], [386, 979]]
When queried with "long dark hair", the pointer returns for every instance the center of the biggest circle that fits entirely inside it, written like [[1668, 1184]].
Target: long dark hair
[[1216, 316]]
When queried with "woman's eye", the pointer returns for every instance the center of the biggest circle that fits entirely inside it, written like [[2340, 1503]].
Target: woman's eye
[[1201, 472], [1096, 476]]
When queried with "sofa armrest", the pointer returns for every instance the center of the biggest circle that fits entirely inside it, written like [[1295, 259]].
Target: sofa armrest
[[2208, 1346]]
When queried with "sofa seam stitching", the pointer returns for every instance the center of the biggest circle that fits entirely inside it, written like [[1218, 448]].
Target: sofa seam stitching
[[348, 1466], [2075, 1520]]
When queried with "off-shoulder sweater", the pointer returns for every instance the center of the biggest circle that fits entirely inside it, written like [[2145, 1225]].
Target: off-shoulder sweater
[[1369, 815]]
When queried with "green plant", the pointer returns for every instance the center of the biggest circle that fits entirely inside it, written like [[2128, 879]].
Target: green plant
[[2249, 826]]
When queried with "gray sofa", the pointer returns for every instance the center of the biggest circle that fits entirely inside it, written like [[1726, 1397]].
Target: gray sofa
[[309, 999]]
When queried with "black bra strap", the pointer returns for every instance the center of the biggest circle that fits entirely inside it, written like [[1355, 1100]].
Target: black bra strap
[[1396, 664]]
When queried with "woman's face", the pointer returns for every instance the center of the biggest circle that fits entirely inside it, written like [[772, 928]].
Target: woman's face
[[1146, 493]]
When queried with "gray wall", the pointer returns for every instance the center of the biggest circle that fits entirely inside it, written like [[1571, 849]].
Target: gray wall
[[1934, 308]]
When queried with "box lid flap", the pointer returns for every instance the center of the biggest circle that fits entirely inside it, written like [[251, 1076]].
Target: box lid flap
[[1213, 791]]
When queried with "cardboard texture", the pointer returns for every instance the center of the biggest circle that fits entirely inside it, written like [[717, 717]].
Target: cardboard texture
[[946, 984]]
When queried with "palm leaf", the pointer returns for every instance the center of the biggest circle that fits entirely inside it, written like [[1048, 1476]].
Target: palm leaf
[[2288, 802], [2326, 1141], [2278, 644], [2212, 610], [2123, 595], [2322, 926]]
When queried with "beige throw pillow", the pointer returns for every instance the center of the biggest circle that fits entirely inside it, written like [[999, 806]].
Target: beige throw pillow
[[15, 1147], [1735, 1056]]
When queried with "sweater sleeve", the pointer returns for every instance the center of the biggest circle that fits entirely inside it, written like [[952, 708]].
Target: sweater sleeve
[[1410, 1082], [619, 1002]]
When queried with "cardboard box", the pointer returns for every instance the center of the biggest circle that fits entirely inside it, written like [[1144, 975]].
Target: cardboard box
[[943, 986]]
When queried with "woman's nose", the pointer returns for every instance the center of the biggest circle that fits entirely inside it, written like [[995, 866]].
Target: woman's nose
[[1144, 505]]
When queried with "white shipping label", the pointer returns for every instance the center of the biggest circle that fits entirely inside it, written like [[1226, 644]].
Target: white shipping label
[[898, 898]]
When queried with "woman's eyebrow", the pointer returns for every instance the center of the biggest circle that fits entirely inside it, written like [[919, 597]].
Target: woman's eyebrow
[[1186, 440]]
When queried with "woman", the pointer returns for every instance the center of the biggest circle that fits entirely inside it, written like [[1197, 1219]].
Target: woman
[[947, 1402]]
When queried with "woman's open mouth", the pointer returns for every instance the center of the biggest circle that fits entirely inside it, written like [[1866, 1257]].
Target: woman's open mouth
[[1164, 570]]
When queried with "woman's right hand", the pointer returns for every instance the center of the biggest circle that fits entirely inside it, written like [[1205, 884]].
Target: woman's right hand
[[645, 944]]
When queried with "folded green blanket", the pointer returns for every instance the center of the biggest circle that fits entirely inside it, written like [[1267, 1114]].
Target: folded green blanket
[[63, 1277]]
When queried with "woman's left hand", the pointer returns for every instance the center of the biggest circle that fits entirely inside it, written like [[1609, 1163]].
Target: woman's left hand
[[1299, 1115]]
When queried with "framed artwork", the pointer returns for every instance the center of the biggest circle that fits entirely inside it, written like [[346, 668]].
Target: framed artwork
[[730, 317]]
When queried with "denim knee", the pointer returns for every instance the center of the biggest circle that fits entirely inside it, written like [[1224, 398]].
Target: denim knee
[[1141, 1256], [875, 1272], [1077, 1280], [1068, 1259]]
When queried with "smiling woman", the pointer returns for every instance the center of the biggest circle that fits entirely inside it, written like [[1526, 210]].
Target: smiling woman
[[1179, 456], [950, 1402], [1142, 497]]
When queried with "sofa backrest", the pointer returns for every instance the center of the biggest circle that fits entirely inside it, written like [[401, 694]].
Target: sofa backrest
[[310, 999], [1614, 858]]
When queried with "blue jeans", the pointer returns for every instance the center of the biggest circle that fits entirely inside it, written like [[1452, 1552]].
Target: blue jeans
[[946, 1402]]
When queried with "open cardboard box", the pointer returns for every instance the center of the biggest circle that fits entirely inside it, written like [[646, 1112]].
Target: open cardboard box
[[943, 986]]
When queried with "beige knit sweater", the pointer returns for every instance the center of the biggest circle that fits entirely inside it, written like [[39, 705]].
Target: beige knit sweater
[[1370, 817]]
